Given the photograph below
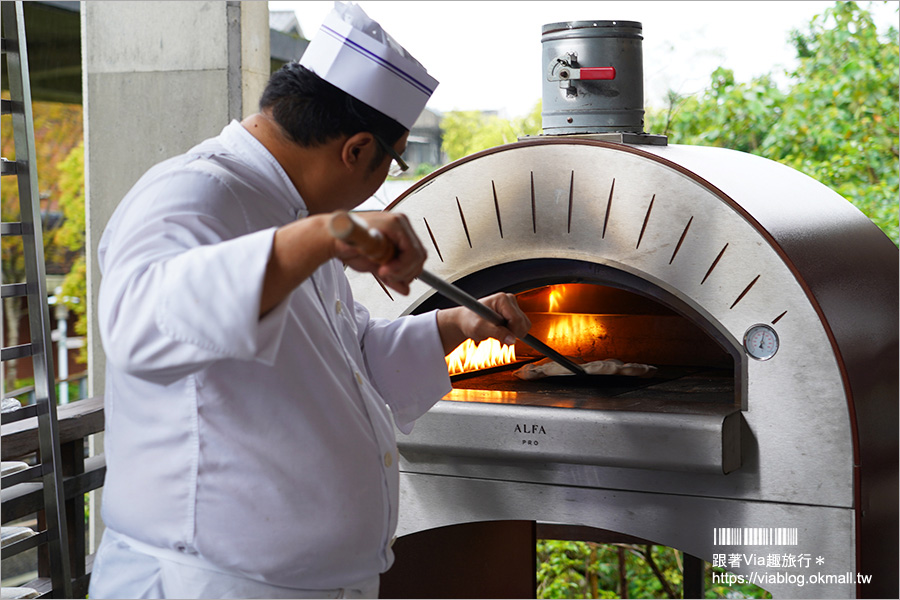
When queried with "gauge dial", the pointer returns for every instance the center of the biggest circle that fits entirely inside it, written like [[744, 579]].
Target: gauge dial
[[761, 342]]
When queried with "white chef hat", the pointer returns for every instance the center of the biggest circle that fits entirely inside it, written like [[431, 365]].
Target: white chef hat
[[352, 52]]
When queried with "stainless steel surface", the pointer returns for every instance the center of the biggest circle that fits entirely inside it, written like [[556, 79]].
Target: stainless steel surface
[[735, 241], [451, 292], [580, 106], [681, 521], [622, 208], [620, 137], [706, 441]]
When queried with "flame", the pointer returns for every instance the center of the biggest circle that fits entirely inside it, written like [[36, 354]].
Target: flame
[[469, 357], [572, 334], [570, 331], [556, 296]]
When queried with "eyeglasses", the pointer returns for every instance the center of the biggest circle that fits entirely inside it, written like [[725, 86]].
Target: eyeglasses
[[398, 165]]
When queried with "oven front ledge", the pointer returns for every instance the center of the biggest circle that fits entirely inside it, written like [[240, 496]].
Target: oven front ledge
[[701, 438]]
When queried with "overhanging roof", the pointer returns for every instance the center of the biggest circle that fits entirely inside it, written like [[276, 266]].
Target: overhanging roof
[[53, 34]]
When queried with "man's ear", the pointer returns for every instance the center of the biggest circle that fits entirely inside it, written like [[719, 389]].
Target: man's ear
[[358, 150]]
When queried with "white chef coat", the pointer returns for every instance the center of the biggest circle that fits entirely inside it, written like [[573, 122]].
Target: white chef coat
[[130, 569], [263, 446]]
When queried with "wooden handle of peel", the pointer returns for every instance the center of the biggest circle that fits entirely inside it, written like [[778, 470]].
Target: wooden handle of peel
[[354, 231]]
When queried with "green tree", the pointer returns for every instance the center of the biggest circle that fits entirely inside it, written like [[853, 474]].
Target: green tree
[[71, 235], [837, 122], [728, 114], [568, 569], [57, 129], [841, 123], [468, 132]]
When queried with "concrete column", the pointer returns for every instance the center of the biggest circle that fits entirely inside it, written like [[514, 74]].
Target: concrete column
[[159, 77]]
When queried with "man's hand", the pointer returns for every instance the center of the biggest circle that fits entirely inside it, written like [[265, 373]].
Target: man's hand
[[301, 247], [459, 324], [408, 257]]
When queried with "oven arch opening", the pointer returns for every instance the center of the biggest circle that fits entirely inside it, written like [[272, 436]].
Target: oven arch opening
[[461, 557], [646, 324]]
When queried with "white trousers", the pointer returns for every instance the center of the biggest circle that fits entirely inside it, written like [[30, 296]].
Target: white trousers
[[126, 568]]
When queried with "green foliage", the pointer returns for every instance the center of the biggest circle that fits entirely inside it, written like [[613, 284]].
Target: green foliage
[[727, 115], [590, 570], [57, 130], [423, 169], [837, 123], [468, 132], [71, 200], [71, 235], [841, 125]]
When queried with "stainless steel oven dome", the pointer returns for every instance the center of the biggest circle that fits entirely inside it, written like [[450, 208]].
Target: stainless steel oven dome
[[741, 245]]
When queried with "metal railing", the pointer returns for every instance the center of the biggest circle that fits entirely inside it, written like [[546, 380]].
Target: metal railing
[[45, 475], [28, 391], [81, 475]]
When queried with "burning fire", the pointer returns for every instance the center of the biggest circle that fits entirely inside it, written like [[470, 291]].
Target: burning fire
[[569, 332], [572, 333], [489, 353], [556, 296]]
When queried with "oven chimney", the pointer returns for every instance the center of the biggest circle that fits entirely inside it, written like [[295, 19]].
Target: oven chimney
[[593, 81]]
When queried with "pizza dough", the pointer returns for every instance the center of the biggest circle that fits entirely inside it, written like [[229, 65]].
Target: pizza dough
[[549, 368]]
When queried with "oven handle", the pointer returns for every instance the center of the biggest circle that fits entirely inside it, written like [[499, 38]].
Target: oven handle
[[353, 231]]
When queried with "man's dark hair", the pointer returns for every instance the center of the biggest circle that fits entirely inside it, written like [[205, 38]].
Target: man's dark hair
[[312, 111]]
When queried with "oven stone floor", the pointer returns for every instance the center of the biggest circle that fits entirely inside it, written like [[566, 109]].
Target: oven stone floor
[[671, 389]]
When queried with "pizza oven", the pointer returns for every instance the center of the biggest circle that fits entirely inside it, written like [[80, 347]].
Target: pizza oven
[[765, 301]]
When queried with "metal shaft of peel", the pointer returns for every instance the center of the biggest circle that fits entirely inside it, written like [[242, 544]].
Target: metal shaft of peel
[[451, 292]]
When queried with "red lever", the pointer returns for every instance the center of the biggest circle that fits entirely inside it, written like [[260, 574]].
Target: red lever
[[598, 73]]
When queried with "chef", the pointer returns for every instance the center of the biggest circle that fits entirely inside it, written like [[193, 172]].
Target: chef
[[250, 401]]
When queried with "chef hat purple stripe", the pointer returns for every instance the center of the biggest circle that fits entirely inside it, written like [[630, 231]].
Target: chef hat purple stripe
[[378, 60]]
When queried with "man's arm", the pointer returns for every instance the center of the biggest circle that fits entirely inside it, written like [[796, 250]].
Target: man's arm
[[298, 249], [301, 247]]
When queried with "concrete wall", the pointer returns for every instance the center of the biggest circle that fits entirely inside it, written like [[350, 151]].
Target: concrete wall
[[158, 77]]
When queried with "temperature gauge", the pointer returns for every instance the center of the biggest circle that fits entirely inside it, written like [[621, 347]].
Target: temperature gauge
[[761, 342]]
